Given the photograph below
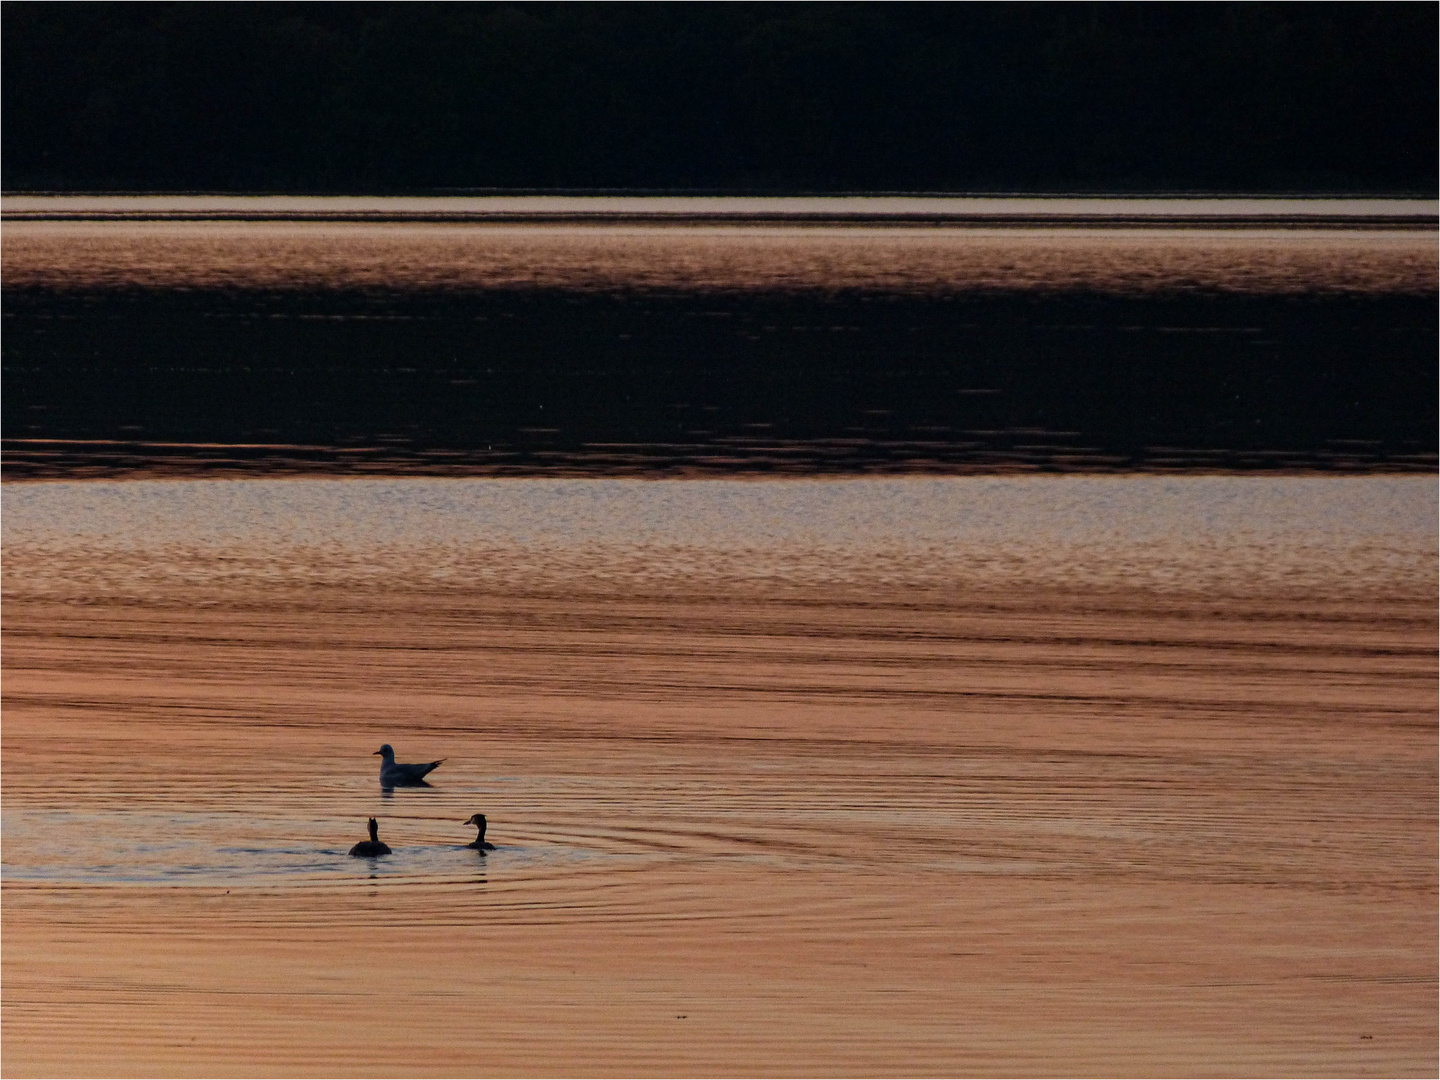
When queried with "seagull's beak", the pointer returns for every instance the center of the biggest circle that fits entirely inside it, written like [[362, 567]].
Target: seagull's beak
[[376, 754]]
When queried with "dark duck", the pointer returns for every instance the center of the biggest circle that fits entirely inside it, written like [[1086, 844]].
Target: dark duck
[[372, 847], [479, 844]]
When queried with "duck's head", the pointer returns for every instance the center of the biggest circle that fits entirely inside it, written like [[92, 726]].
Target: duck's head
[[386, 752], [477, 819], [374, 831]]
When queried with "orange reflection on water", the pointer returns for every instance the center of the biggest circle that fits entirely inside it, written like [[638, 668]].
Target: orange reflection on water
[[927, 818], [934, 260]]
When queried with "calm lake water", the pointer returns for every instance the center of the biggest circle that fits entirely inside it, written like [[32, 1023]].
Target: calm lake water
[[513, 336], [1023, 689], [1357, 537], [709, 244], [923, 776]]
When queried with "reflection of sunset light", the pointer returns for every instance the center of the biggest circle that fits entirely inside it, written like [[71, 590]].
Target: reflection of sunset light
[[647, 254]]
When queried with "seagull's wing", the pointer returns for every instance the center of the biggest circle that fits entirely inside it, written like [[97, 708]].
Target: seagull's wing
[[400, 772]]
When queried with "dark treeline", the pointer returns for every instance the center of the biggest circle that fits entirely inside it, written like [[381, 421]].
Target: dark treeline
[[959, 97]]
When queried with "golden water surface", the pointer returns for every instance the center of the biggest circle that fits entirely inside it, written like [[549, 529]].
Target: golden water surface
[[764, 257], [1069, 775]]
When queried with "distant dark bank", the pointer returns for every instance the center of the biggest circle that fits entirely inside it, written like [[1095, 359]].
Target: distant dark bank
[[522, 382], [385, 97]]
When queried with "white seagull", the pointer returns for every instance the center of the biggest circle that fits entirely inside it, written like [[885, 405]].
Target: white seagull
[[393, 772]]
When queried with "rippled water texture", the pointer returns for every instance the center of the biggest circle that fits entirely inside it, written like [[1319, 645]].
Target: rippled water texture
[[160, 337], [1361, 537], [604, 257], [962, 776]]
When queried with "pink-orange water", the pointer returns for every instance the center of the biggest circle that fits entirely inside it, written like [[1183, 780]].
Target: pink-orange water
[[289, 255], [907, 777]]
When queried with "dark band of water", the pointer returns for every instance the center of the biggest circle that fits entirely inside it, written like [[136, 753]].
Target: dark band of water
[[516, 383], [207, 348]]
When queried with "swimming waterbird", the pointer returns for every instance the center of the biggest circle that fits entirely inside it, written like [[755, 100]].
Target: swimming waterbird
[[393, 772], [478, 820], [373, 846]]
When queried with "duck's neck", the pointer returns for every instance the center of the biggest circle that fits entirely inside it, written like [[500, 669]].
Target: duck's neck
[[480, 836]]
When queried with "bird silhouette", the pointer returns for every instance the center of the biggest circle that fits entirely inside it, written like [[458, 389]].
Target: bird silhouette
[[478, 820], [394, 773], [372, 847]]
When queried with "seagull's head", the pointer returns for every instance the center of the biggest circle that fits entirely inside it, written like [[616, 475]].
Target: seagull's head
[[386, 752]]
